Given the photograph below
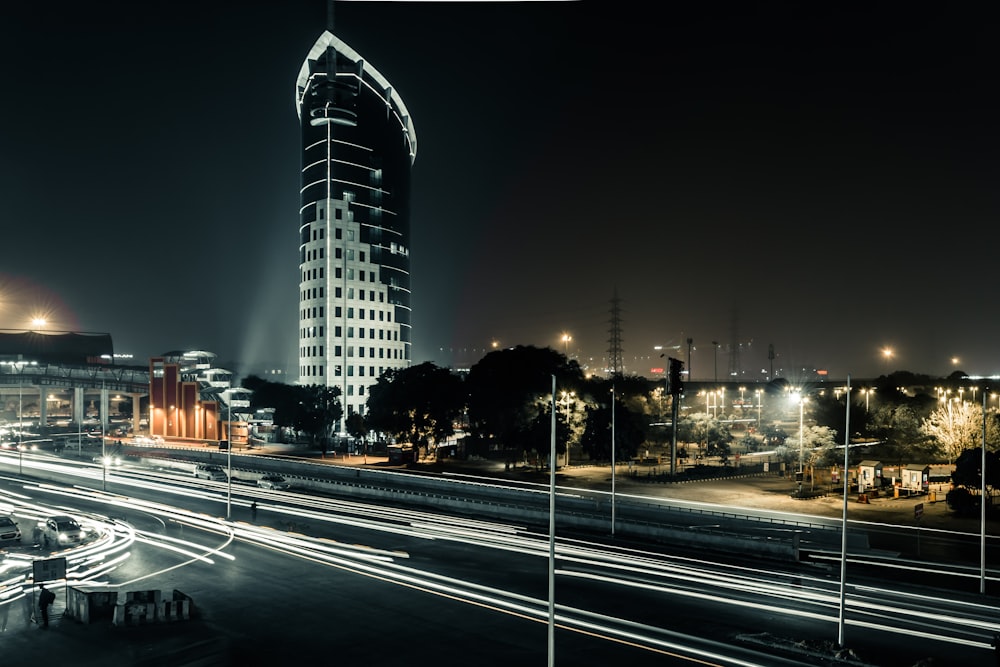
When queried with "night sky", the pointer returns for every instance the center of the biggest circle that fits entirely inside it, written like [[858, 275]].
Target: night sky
[[802, 176]]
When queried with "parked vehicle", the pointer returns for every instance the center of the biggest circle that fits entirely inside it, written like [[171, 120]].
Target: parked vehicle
[[210, 471], [272, 481]]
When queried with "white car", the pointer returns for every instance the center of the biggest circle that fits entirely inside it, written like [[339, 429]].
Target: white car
[[9, 530], [62, 530], [273, 482], [209, 471]]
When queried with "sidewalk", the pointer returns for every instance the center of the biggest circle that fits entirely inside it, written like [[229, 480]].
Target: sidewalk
[[758, 491]]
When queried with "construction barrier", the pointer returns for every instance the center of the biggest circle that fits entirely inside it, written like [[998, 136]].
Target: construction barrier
[[174, 610]]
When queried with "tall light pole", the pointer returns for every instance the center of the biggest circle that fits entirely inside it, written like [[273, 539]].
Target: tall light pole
[[690, 342], [843, 529], [20, 420], [801, 400], [229, 454], [566, 338], [104, 453], [568, 397], [759, 396], [612, 459], [867, 392], [801, 431], [552, 533]]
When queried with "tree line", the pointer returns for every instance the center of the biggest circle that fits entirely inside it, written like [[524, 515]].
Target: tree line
[[503, 406]]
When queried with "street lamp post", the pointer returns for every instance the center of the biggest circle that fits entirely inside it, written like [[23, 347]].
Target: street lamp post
[[801, 399], [568, 397], [759, 396], [20, 422], [104, 453], [229, 454], [843, 528], [566, 338], [867, 392], [612, 459]]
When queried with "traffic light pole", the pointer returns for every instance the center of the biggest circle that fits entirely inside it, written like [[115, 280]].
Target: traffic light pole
[[676, 388]]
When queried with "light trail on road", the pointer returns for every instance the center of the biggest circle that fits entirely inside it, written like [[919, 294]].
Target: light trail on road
[[776, 590]]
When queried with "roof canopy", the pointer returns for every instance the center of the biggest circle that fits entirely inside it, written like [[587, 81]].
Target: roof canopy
[[67, 347]]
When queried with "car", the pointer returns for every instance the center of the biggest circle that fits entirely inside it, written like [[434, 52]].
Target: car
[[273, 482], [209, 471], [109, 460], [10, 532], [62, 530]]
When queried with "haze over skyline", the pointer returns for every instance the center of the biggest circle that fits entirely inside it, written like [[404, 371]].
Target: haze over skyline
[[815, 179]]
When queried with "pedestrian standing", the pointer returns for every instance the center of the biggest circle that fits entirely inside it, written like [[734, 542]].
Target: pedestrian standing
[[45, 598], [253, 510]]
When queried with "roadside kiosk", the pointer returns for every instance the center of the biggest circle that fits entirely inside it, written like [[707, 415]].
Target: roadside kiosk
[[869, 475], [916, 478]]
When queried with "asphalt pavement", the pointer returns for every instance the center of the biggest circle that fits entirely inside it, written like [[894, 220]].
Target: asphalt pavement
[[66, 641]]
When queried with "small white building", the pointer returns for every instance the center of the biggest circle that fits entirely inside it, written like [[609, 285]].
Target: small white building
[[869, 475], [916, 477]]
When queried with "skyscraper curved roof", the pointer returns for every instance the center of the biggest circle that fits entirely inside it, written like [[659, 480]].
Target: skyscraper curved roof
[[328, 39]]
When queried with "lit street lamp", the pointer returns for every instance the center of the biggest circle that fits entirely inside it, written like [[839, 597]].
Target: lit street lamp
[[568, 398], [20, 422], [566, 338], [802, 401], [867, 392]]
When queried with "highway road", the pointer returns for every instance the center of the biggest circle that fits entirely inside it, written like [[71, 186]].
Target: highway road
[[363, 582]]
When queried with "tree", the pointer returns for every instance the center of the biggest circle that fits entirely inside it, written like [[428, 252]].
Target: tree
[[356, 425], [704, 429], [968, 469], [418, 404], [318, 412], [965, 498], [819, 448], [596, 438], [897, 428], [958, 426], [312, 409], [510, 392]]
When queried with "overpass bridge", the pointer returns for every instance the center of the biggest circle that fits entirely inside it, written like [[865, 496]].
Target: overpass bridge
[[35, 391]]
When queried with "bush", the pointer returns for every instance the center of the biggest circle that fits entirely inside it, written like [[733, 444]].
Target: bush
[[962, 502]]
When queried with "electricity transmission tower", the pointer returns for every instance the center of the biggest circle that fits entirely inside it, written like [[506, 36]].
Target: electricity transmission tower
[[615, 353]]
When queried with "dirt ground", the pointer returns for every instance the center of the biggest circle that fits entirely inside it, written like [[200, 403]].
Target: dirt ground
[[766, 491]]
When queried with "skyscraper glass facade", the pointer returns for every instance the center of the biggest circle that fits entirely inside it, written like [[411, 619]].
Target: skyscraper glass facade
[[358, 145]]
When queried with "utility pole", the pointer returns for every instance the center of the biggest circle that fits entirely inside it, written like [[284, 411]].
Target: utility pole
[[676, 389], [690, 342]]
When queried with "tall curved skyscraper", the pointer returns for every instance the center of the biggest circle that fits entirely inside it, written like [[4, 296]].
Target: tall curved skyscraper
[[358, 145]]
